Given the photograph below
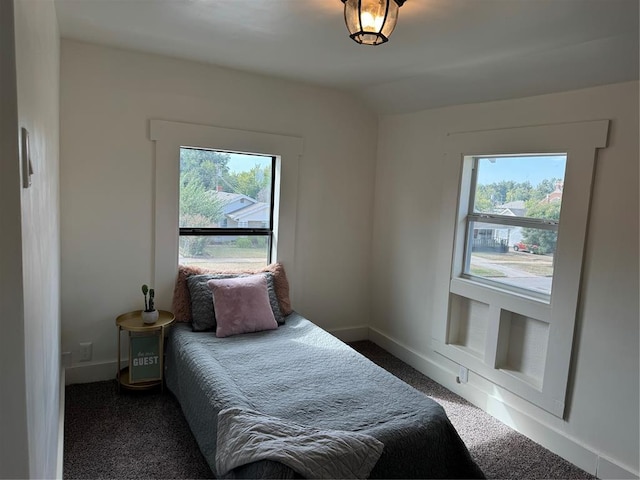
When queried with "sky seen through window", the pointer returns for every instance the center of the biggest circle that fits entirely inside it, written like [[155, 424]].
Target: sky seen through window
[[520, 169]]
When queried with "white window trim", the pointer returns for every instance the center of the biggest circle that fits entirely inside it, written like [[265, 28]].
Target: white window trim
[[169, 137], [580, 141]]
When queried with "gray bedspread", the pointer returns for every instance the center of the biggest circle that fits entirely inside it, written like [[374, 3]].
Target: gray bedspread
[[302, 374]]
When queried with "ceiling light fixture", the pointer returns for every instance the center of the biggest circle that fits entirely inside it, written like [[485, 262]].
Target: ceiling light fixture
[[370, 22]]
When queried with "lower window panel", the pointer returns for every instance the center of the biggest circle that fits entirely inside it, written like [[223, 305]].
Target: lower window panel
[[228, 253], [515, 256]]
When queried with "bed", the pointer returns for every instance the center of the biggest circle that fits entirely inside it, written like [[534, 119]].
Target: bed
[[301, 379]]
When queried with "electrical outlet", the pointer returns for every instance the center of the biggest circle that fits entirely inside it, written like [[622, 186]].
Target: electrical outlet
[[86, 351], [463, 375]]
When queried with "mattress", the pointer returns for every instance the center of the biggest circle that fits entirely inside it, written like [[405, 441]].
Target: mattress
[[302, 374]]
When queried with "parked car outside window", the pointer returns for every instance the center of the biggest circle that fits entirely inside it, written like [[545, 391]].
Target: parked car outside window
[[523, 247]]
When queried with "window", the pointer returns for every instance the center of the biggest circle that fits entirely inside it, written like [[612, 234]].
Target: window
[[512, 221], [226, 209], [169, 138], [515, 205]]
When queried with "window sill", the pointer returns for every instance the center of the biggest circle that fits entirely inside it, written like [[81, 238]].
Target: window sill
[[507, 300]]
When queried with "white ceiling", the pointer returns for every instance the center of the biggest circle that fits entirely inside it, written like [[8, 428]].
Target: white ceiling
[[443, 52]]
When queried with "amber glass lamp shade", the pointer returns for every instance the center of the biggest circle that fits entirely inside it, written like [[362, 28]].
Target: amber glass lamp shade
[[370, 22]]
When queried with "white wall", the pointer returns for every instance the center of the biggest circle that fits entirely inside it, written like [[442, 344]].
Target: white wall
[[32, 313], [108, 97], [602, 421]]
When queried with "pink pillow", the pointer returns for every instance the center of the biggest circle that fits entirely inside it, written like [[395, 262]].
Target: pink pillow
[[241, 305]]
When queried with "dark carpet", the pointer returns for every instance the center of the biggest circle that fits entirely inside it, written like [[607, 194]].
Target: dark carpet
[[144, 434]]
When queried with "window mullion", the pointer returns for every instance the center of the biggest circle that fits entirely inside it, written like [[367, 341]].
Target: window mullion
[[527, 222], [221, 232]]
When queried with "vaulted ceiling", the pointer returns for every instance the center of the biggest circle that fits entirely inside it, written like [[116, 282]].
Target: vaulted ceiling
[[443, 52]]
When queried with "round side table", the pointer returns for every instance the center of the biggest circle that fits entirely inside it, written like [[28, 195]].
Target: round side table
[[132, 323]]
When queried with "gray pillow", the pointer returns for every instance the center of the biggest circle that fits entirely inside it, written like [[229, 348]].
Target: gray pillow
[[202, 314]]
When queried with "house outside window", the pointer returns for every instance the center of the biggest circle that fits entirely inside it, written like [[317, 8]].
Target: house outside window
[[226, 209]]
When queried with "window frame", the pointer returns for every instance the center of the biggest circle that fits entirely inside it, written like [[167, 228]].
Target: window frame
[[514, 221], [240, 231], [167, 137], [580, 141]]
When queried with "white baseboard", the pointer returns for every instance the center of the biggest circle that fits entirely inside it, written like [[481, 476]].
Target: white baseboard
[[91, 372], [559, 443], [351, 334]]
